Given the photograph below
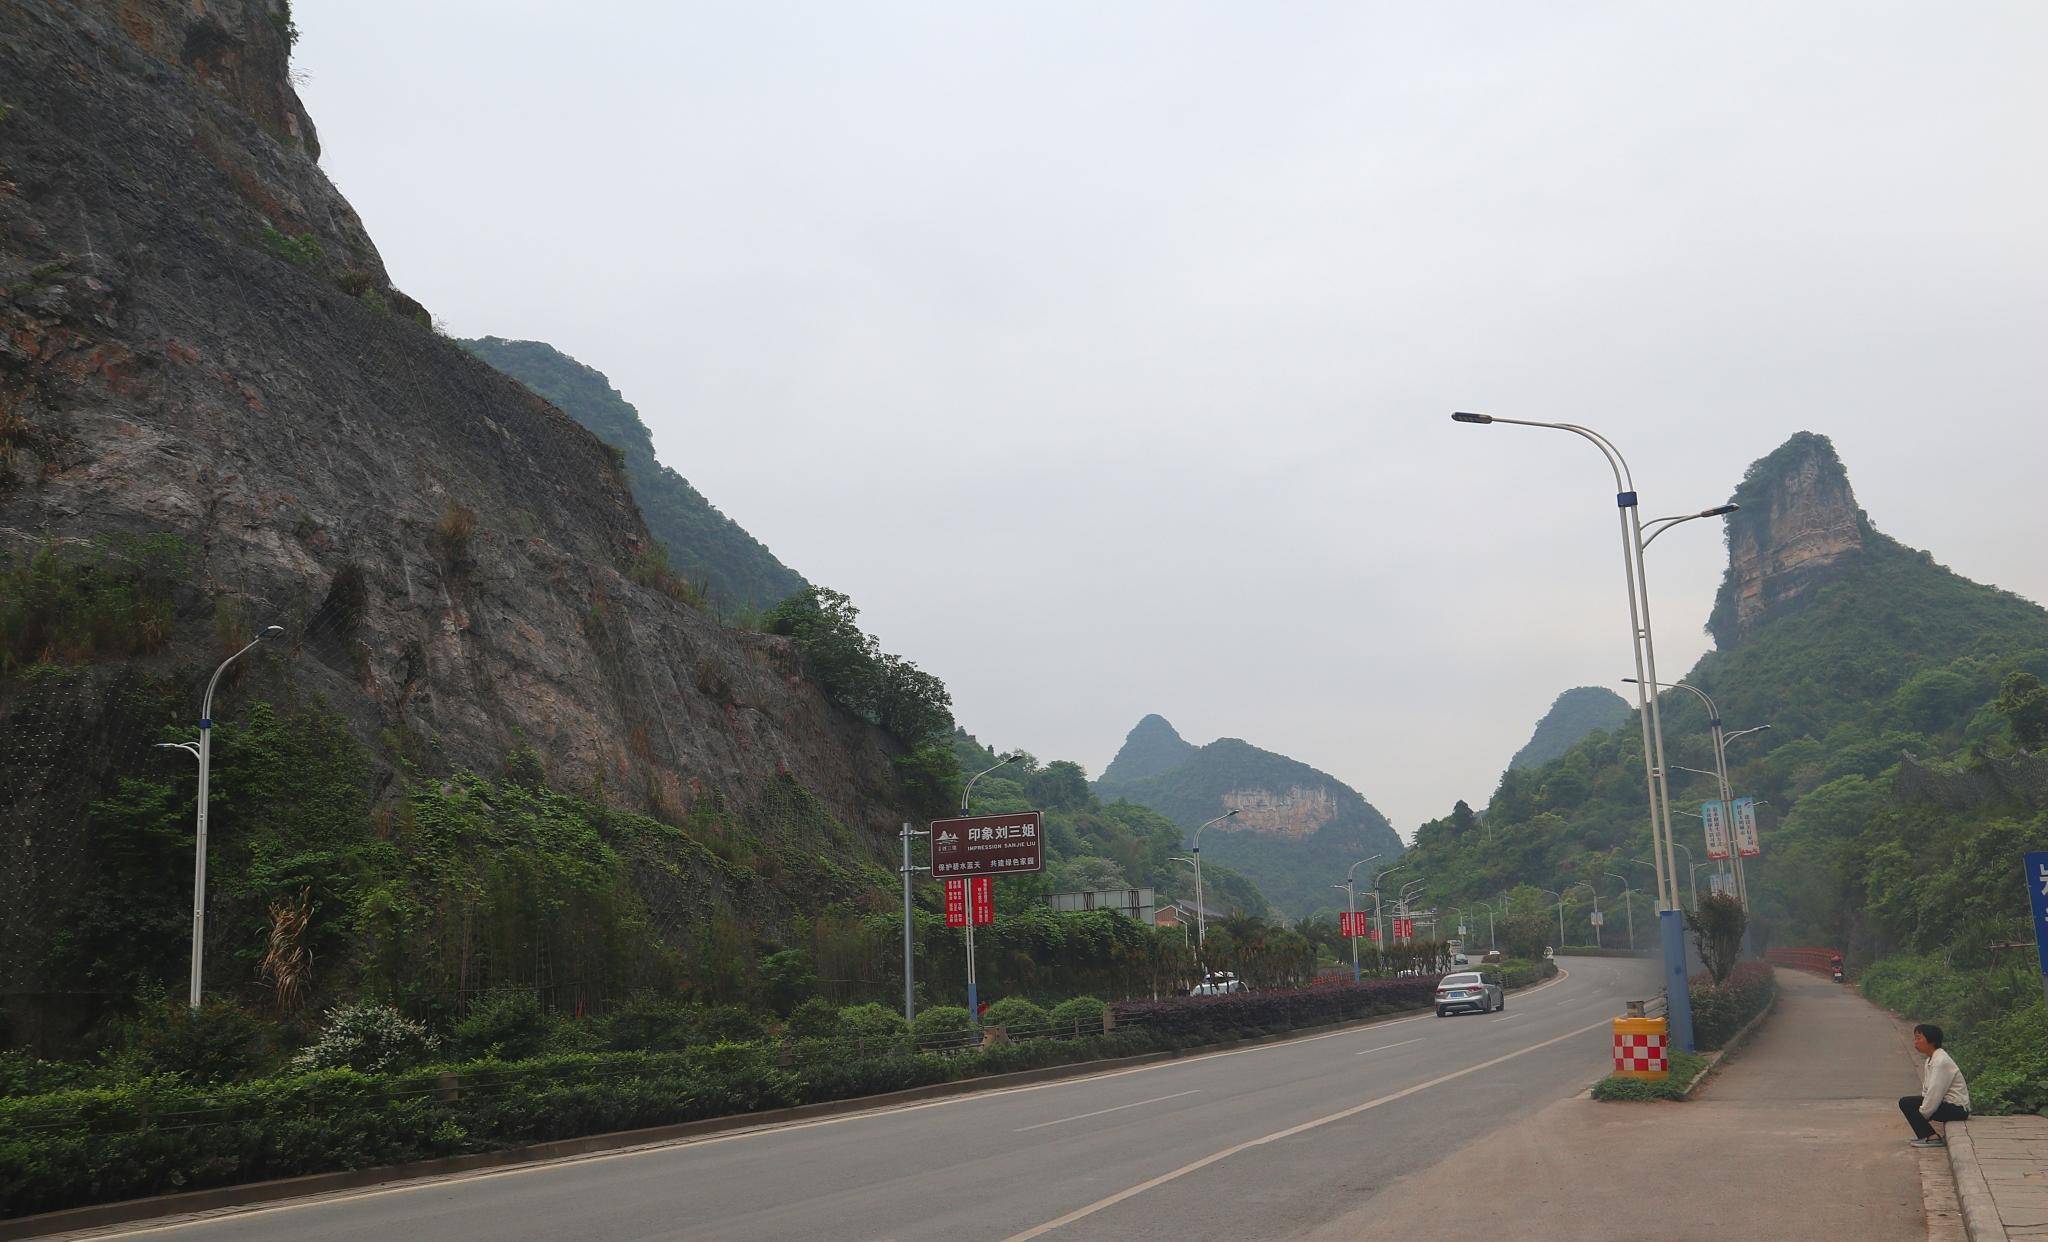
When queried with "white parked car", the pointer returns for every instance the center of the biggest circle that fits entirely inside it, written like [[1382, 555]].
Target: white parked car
[[1470, 992], [1218, 984]]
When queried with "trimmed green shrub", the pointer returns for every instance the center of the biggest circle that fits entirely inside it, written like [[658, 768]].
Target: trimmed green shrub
[[1720, 1010], [948, 1024], [504, 1024], [872, 1027], [816, 1018], [1017, 1016], [218, 1043], [1082, 1015]]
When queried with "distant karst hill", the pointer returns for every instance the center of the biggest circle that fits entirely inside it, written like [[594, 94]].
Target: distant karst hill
[[703, 545], [1299, 828], [1576, 713]]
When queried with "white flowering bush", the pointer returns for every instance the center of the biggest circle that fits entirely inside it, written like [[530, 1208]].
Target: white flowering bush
[[367, 1037]]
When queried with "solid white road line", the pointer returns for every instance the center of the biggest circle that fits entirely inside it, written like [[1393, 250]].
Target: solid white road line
[[1505, 1017], [1383, 1047], [1097, 1206], [1100, 1111]]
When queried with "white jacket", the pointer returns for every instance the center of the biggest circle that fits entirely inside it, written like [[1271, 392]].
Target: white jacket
[[1941, 1081]]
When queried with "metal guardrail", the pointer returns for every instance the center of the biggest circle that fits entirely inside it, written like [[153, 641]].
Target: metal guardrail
[[1657, 1006]]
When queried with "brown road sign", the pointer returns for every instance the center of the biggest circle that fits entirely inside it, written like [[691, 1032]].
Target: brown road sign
[[988, 845]]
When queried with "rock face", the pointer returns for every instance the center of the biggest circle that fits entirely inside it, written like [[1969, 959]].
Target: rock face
[[1798, 524], [1295, 824], [703, 545], [1573, 715], [198, 339]]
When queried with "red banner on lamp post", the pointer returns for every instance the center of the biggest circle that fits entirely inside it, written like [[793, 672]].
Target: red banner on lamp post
[[1350, 924], [981, 890]]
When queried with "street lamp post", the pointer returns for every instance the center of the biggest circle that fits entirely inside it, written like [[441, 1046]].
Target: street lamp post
[[203, 751], [1201, 911], [1350, 888], [1720, 774], [973, 996], [1408, 892], [1642, 642], [1379, 926], [1628, 905]]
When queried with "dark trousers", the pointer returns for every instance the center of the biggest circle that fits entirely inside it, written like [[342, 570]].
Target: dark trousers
[[1944, 1111]]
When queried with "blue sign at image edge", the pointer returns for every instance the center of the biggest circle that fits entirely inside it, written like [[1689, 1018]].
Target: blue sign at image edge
[[2037, 898]]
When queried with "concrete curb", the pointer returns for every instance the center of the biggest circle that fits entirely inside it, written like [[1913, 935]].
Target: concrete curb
[[251, 1193], [1980, 1211]]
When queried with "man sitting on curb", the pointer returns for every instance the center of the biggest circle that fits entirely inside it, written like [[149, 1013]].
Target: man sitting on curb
[[1944, 1096]]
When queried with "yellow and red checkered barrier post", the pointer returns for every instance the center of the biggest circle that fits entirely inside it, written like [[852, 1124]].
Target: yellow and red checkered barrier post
[[1639, 1048]]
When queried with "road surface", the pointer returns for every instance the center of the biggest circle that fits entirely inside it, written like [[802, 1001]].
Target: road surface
[[1262, 1142]]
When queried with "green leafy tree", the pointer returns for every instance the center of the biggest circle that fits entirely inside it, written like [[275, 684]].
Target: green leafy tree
[[2023, 701]]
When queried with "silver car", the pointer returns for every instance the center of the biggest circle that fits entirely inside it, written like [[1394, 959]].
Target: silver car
[[1469, 991]]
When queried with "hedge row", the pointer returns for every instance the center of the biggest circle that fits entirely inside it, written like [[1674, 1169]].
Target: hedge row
[[1243, 1013], [1720, 1010], [160, 1135]]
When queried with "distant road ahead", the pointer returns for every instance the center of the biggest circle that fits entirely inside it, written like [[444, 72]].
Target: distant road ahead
[[1262, 1142]]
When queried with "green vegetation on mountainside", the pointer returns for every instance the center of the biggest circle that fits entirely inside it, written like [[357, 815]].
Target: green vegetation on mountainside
[[704, 546], [1301, 825], [1574, 714]]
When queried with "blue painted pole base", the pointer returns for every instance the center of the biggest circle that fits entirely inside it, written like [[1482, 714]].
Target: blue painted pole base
[[1678, 1000]]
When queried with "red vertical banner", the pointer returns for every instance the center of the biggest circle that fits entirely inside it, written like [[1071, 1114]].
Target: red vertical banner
[[1372, 932], [956, 903], [984, 890]]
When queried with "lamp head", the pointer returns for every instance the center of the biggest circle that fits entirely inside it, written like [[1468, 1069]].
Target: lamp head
[[1720, 511], [1464, 417], [271, 631]]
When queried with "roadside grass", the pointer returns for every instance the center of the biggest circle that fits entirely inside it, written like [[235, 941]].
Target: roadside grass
[[1685, 1067]]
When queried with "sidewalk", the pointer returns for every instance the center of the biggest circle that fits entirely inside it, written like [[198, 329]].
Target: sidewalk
[[2001, 1167], [1799, 1137]]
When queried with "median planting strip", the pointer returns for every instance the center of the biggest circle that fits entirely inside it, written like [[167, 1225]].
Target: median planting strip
[[635, 1141]]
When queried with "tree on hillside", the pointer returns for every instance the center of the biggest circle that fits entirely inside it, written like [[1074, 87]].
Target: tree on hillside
[[2023, 701]]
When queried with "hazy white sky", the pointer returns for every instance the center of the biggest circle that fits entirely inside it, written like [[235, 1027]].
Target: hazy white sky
[[1104, 352]]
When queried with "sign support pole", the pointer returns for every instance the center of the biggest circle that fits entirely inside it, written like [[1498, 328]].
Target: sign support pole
[[2037, 900]]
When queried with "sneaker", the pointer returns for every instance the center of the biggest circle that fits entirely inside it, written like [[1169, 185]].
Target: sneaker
[[1928, 1142]]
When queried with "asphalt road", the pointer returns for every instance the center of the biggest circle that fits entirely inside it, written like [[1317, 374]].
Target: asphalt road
[[1263, 1142]]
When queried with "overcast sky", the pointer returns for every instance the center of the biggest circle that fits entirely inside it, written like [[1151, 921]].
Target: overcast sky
[[1104, 353]]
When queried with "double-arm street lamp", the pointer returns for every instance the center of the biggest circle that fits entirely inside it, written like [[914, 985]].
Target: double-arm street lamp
[[1720, 774], [1408, 892], [203, 751], [1350, 888], [1634, 543], [1201, 912], [1379, 925]]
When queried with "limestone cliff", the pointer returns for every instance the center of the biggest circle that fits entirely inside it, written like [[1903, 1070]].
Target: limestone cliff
[[1798, 525], [199, 341]]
